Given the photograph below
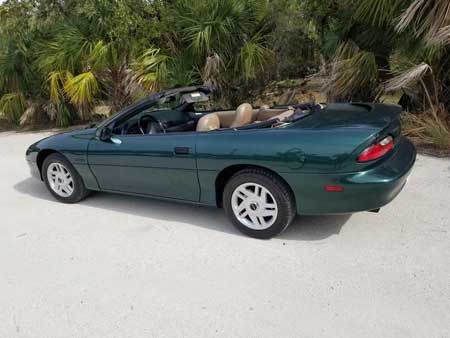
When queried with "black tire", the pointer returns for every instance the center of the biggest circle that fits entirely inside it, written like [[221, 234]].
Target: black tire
[[79, 190], [280, 191]]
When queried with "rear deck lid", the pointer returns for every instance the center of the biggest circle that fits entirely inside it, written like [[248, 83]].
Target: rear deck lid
[[354, 127], [372, 120], [352, 115]]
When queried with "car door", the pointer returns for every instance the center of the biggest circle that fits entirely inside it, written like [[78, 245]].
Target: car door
[[161, 165]]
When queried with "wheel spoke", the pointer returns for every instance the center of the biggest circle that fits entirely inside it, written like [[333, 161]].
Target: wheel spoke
[[266, 198], [244, 214], [242, 194], [68, 189], [268, 212], [254, 219], [258, 191], [262, 221], [241, 207]]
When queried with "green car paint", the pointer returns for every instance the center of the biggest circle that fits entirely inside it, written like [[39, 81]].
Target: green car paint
[[308, 154]]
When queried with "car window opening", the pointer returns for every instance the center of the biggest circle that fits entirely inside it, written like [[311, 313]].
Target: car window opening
[[179, 112]]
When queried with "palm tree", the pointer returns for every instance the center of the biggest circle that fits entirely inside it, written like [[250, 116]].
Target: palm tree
[[415, 55], [430, 20], [228, 46]]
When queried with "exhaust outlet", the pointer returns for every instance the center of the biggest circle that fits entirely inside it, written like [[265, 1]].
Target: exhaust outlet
[[375, 210]]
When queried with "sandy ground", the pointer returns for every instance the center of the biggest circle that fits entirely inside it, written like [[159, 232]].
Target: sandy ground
[[116, 266]]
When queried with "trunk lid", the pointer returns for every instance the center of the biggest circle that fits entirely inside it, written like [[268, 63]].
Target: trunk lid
[[372, 120], [353, 115], [354, 126]]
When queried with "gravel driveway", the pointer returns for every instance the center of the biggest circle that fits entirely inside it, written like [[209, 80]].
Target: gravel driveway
[[116, 266]]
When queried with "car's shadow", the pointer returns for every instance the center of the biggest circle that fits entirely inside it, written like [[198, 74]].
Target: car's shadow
[[306, 228]]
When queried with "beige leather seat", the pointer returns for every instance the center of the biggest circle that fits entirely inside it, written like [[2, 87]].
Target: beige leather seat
[[227, 119], [208, 122], [244, 115]]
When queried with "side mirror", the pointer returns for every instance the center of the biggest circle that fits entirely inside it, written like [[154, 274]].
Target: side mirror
[[105, 134]]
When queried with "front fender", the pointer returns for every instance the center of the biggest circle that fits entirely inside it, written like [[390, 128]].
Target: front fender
[[73, 146]]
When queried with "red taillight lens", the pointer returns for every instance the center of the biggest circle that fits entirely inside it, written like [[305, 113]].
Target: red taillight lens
[[377, 150]]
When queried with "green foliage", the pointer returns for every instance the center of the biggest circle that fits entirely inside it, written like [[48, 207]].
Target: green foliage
[[151, 69], [63, 58], [253, 57], [224, 43], [70, 55], [355, 71], [56, 81], [12, 106], [63, 115], [377, 12], [82, 88], [428, 129]]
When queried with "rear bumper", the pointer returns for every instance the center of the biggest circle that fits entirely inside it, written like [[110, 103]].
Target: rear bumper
[[363, 191]]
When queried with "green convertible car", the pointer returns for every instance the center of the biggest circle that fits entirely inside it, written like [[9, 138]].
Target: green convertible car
[[262, 165]]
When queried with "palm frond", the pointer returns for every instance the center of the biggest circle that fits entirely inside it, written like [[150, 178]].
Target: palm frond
[[56, 82], [253, 57], [222, 23], [68, 50], [404, 79], [98, 57], [81, 90], [352, 70], [151, 69], [428, 19], [12, 106], [376, 12], [15, 71], [441, 37], [183, 71]]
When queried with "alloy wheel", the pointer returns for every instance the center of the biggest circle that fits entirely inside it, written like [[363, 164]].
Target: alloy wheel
[[60, 179], [254, 206]]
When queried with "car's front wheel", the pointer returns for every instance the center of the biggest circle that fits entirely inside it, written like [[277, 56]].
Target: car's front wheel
[[259, 203], [62, 180]]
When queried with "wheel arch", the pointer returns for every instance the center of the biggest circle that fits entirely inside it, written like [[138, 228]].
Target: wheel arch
[[225, 175], [42, 155]]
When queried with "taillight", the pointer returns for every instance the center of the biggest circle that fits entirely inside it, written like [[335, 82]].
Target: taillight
[[377, 150]]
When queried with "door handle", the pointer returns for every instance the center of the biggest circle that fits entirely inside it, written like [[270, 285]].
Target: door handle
[[182, 150]]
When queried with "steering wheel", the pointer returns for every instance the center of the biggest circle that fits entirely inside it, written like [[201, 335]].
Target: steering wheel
[[152, 126]]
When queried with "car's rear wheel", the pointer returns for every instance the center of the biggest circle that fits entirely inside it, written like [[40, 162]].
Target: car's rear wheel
[[62, 180], [259, 203]]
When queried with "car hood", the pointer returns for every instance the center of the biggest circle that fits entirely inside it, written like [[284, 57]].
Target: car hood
[[58, 141], [78, 133]]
